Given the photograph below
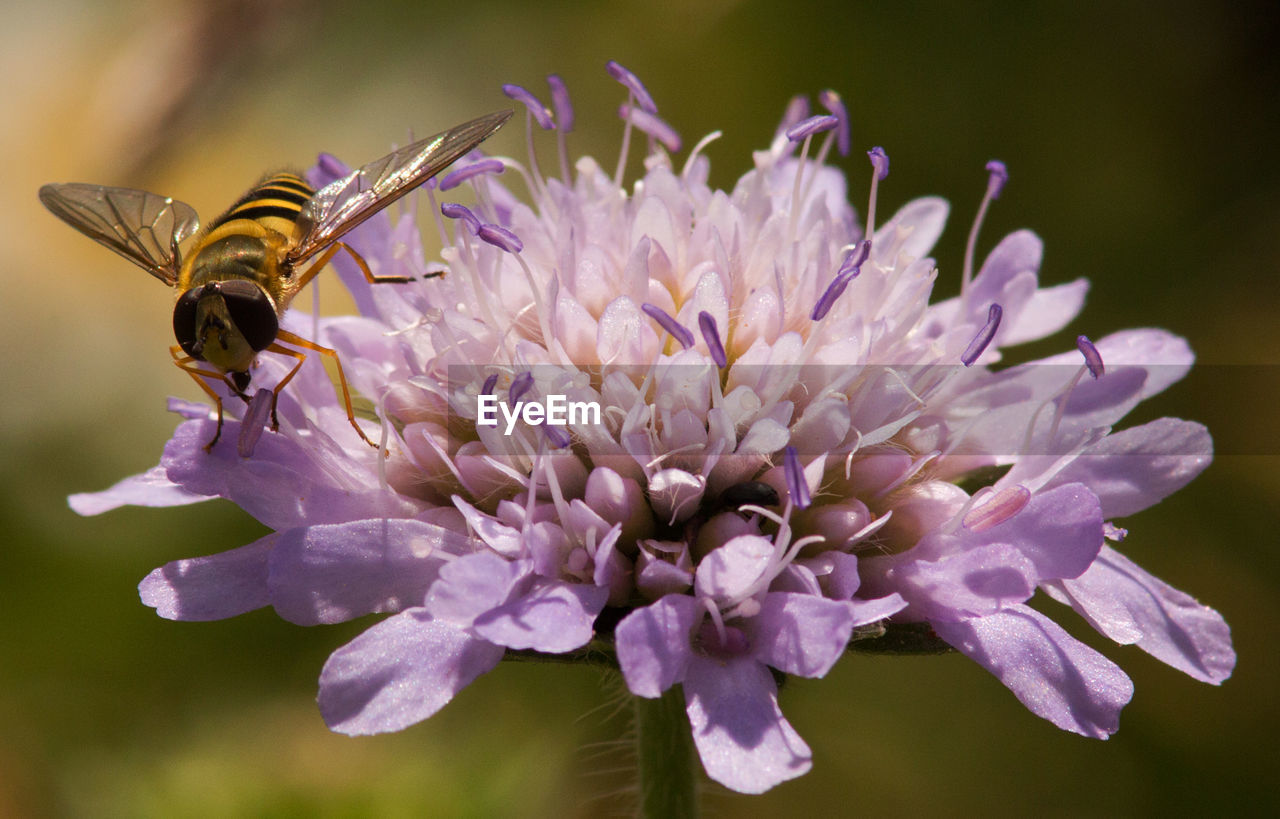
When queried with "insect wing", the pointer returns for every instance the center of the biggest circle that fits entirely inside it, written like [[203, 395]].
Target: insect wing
[[345, 203], [143, 227]]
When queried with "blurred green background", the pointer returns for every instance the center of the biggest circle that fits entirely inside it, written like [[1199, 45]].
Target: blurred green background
[[1142, 143]]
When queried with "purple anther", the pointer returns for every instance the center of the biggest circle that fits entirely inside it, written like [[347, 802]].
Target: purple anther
[[489, 384], [857, 257], [831, 101], [711, 335], [1007, 503], [813, 125], [650, 124], [996, 181], [632, 83], [452, 210], [797, 110], [519, 386], [255, 418], [500, 237], [560, 102], [984, 336], [557, 435], [677, 330], [540, 112], [797, 486], [879, 161], [833, 292], [1092, 358], [456, 177]]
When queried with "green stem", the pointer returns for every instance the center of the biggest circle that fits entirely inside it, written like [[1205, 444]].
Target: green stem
[[667, 761]]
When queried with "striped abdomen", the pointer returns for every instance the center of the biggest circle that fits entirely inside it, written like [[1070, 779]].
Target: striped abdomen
[[274, 202]]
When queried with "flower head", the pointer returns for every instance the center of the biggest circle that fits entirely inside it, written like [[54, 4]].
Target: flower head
[[792, 444]]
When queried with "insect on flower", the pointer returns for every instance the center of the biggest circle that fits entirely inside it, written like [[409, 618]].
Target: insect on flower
[[239, 277]]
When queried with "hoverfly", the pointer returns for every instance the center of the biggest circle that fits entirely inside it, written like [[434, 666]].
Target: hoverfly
[[235, 283]]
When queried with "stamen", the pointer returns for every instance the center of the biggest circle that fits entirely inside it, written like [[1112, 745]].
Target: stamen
[[334, 167], [797, 486], [255, 419], [632, 83], [564, 120], [997, 176], [652, 125], [558, 436], [984, 336], [560, 102], [797, 110], [813, 125], [848, 271], [489, 384], [697, 149], [831, 101], [677, 330], [879, 161], [1007, 503], [996, 181], [501, 238], [519, 386], [534, 105], [455, 178], [1113, 533], [1092, 358], [880, 169], [711, 335], [453, 210]]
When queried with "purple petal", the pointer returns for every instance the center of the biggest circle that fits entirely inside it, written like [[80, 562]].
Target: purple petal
[[653, 644], [151, 488], [1127, 604], [332, 573], [1059, 530], [1138, 467], [213, 587], [974, 583], [735, 568], [744, 741], [255, 419], [1056, 676], [399, 672], [800, 633], [472, 585], [552, 616], [284, 485], [873, 611]]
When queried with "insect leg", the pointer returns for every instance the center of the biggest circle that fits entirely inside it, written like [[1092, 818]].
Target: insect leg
[[201, 376], [299, 341], [332, 250]]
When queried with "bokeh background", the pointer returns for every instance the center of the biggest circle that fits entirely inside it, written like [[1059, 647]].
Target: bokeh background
[[1142, 143]]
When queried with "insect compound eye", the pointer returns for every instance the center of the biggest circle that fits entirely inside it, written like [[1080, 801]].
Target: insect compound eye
[[251, 311], [184, 321]]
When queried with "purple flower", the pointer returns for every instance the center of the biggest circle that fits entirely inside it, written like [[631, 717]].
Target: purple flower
[[751, 607], [794, 451]]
